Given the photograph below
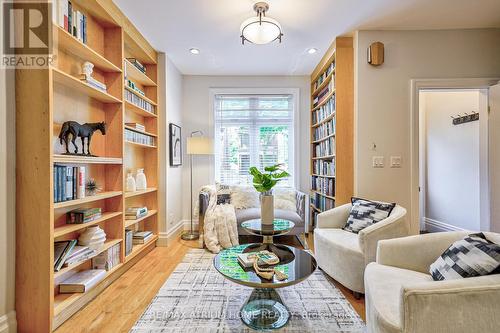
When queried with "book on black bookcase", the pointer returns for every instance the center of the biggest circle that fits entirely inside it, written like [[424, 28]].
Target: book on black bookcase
[[69, 182]]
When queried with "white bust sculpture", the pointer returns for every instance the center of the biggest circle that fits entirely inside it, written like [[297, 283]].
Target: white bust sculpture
[[88, 69]]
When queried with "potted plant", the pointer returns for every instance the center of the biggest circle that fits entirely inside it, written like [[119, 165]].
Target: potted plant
[[264, 183]]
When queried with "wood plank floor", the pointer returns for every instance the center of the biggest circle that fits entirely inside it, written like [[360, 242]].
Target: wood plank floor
[[121, 304]]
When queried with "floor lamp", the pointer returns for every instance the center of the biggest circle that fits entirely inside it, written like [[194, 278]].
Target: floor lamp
[[197, 144]]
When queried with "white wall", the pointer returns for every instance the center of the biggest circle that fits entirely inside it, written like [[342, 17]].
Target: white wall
[[7, 202], [382, 104], [494, 155], [452, 158], [196, 116]]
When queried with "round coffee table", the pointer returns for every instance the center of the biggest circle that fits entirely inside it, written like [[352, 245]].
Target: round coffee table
[[264, 309]]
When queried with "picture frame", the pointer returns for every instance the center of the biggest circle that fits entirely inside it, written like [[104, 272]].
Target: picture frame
[[175, 145]]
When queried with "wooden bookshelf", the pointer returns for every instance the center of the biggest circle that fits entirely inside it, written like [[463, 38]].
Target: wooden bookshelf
[[46, 98], [332, 118]]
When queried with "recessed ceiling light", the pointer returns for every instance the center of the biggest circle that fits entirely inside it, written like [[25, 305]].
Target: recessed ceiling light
[[194, 51], [312, 50]]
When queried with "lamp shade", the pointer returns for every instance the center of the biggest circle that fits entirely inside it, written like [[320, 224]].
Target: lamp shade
[[260, 30], [199, 145]]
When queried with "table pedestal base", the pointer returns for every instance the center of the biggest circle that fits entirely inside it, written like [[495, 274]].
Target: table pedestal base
[[264, 310]]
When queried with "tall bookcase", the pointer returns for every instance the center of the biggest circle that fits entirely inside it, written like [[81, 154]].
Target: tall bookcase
[[45, 98], [332, 109]]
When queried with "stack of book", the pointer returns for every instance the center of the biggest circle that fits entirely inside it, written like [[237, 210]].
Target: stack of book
[[137, 126], [137, 64], [62, 251], [134, 213], [93, 82], [138, 101], [129, 235], [79, 254], [137, 137], [265, 258], [73, 21], [84, 215], [69, 183], [82, 281], [141, 237], [107, 259]]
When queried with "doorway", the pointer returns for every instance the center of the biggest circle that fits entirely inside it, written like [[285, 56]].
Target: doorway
[[453, 140]]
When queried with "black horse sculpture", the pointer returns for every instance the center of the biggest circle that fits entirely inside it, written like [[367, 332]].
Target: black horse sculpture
[[83, 131]]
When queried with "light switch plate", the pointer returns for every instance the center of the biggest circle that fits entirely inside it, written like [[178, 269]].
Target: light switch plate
[[378, 161], [395, 161]]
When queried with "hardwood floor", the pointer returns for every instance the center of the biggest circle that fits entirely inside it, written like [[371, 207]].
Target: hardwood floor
[[121, 304]]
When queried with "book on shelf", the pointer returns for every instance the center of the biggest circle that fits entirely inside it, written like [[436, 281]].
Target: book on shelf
[[137, 126], [93, 82], [322, 203], [323, 185], [141, 237], [69, 182], [83, 215], [324, 130], [129, 235], [107, 259], [134, 87], [137, 64], [323, 111], [320, 97], [134, 213], [325, 148], [139, 102], [324, 76], [78, 254], [73, 21], [136, 137], [62, 250], [82, 282], [324, 168]]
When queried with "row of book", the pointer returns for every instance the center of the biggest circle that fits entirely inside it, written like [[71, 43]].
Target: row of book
[[323, 185], [134, 87], [325, 148], [137, 64], [137, 126], [324, 75], [133, 136], [73, 21], [324, 111], [320, 97], [138, 101], [69, 182], [324, 130], [324, 168], [321, 202], [83, 215], [108, 259]]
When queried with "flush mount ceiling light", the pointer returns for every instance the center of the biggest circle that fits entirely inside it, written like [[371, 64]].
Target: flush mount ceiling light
[[312, 50], [260, 29], [194, 50]]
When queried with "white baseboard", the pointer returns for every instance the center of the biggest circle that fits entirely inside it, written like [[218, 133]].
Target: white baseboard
[[187, 225], [8, 323], [438, 226]]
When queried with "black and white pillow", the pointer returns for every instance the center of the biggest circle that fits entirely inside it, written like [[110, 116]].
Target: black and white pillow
[[472, 256], [223, 194], [364, 213]]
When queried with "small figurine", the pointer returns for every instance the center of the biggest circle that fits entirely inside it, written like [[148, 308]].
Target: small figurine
[[74, 129], [88, 69]]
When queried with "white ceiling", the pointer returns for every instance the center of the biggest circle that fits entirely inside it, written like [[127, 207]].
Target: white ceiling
[[175, 26]]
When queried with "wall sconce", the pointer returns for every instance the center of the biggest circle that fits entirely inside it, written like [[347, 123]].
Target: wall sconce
[[376, 54]]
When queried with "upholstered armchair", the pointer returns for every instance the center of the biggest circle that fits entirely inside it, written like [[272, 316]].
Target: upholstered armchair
[[344, 255], [401, 295]]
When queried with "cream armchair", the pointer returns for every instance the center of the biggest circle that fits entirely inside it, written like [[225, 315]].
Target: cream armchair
[[401, 296], [344, 255]]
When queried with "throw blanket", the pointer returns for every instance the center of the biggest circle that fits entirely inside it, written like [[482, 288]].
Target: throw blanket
[[220, 228]]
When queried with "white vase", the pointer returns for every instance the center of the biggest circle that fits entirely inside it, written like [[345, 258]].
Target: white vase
[[267, 209], [140, 180], [131, 187], [93, 237]]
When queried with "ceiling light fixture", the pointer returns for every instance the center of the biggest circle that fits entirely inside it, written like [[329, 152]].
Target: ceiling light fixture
[[312, 50], [194, 51], [260, 29]]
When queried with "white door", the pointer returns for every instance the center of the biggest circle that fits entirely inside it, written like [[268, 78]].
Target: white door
[[494, 154]]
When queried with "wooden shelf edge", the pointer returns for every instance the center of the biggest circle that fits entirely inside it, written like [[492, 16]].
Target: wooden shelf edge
[[324, 101], [73, 159], [69, 228], [129, 223], [330, 117], [97, 197], [323, 139], [141, 132], [322, 176], [138, 248], [323, 84], [328, 157], [147, 99], [138, 110], [137, 76], [142, 192], [139, 144], [324, 195]]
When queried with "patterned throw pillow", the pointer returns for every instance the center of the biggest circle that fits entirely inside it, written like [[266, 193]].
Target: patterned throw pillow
[[472, 256], [223, 194], [364, 213]]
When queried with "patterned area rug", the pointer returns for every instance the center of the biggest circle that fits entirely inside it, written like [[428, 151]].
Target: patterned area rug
[[196, 298]]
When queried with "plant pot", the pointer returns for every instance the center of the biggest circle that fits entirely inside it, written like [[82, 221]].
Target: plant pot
[[267, 209]]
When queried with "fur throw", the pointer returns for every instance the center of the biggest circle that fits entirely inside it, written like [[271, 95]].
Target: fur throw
[[243, 197]]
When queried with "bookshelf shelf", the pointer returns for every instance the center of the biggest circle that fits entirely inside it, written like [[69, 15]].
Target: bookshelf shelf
[[83, 88], [72, 45], [69, 228], [137, 193], [70, 159], [138, 110], [109, 243], [136, 76], [139, 131], [139, 144], [138, 248], [78, 202], [336, 67], [129, 223], [141, 96]]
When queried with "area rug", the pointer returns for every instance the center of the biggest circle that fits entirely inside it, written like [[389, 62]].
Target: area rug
[[196, 298]]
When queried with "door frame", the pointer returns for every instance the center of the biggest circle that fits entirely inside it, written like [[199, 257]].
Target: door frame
[[425, 84]]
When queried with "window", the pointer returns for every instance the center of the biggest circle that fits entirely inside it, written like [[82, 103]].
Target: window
[[252, 130]]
